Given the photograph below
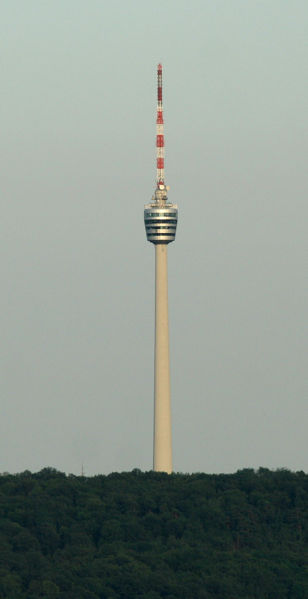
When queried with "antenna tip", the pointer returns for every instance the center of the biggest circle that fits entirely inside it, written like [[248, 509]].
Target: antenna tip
[[160, 67]]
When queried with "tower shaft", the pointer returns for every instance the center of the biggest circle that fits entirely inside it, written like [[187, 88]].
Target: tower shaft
[[162, 409]]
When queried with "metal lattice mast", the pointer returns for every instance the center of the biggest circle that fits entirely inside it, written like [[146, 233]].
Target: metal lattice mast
[[160, 140]]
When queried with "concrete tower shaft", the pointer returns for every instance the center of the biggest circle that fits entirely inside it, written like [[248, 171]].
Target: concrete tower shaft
[[162, 450], [160, 219]]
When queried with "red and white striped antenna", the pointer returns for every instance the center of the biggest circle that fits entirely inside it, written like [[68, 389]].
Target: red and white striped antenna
[[160, 139]]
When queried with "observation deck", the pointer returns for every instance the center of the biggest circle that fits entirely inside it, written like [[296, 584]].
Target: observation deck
[[160, 219]]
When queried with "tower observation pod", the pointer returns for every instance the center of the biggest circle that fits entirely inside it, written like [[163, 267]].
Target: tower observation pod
[[160, 218]]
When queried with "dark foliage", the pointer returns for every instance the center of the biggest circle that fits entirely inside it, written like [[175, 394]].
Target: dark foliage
[[150, 536]]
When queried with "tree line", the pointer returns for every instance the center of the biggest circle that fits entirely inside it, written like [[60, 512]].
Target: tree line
[[150, 535]]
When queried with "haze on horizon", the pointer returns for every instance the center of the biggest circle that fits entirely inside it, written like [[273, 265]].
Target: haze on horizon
[[78, 164]]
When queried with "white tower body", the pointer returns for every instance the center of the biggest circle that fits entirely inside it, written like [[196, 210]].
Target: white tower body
[[162, 460], [160, 217]]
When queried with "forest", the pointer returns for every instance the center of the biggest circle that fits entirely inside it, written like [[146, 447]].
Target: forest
[[151, 535]]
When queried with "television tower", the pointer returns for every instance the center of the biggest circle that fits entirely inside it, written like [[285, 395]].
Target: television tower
[[160, 218]]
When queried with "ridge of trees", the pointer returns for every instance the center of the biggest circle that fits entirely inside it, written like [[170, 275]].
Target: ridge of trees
[[137, 535]]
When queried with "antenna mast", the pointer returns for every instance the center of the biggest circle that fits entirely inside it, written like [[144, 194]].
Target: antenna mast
[[160, 139]]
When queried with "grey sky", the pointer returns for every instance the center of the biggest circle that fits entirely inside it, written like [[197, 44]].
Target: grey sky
[[78, 163]]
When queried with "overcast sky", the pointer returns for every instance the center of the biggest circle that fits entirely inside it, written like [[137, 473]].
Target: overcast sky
[[77, 158]]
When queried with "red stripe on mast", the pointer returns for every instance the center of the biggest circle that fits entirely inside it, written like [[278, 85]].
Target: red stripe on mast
[[160, 140]]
